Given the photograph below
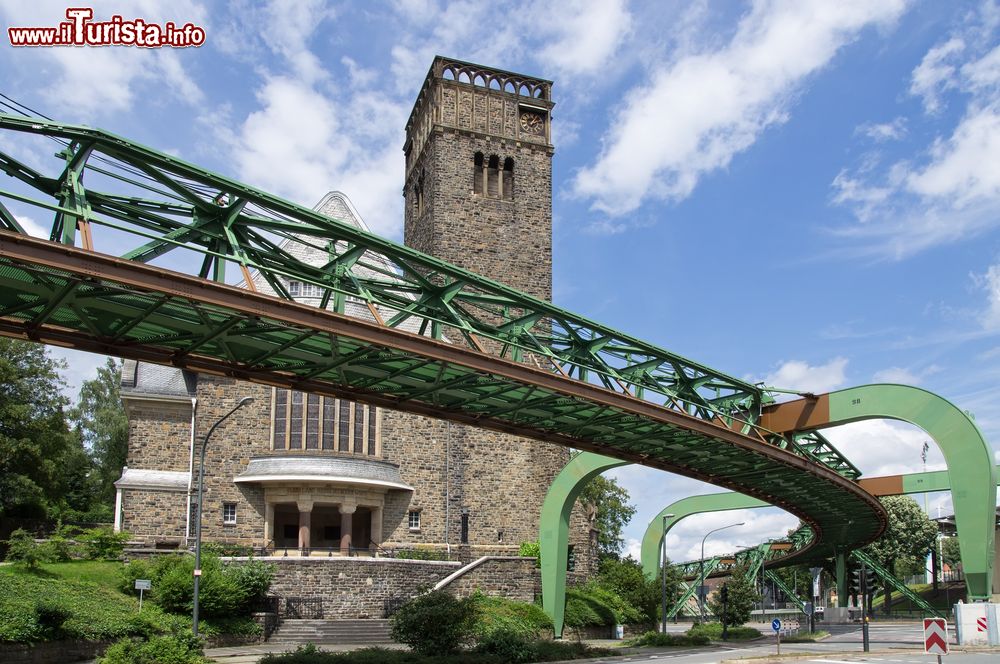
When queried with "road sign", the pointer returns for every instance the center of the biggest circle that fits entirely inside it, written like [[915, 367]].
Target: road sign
[[776, 625], [935, 636]]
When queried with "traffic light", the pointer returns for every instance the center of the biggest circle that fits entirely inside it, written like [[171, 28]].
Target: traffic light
[[859, 581], [724, 593]]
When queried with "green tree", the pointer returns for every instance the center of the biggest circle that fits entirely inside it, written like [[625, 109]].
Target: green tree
[[742, 595], [40, 461], [613, 512], [950, 553], [909, 536], [624, 577], [100, 418]]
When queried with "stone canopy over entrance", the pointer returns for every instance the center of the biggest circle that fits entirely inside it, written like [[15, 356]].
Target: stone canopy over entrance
[[323, 504]]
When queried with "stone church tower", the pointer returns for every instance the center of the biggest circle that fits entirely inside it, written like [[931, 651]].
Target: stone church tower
[[478, 194]]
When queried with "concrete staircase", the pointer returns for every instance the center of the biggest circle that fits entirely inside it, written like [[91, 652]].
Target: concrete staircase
[[366, 632]]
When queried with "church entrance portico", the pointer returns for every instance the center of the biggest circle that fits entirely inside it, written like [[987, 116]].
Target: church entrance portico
[[318, 526]]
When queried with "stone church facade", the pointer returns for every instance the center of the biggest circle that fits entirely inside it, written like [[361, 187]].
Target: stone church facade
[[302, 474]]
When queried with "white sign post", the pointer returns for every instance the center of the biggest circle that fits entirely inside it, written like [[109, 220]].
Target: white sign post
[[936, 637], [776, 626], [141, 585]]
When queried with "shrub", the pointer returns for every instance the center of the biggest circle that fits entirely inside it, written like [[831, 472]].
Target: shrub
[[103, 543], [224, 590], [50, 615], [593, 605], [496, 614], [531, 550], [22, 548], [714, 631], [60, 546], [420, 554], [510, 646], [435, 622], [224, 550], [181, 648], [624, 577], [659, 640]]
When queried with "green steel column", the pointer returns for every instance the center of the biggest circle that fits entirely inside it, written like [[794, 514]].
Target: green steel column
[[553, 530], [841, 579], [713, 502]]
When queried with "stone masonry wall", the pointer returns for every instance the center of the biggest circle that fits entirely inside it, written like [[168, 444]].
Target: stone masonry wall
[[244, 435], [153, 514], [511, 577], [355, 587], [159, 434]]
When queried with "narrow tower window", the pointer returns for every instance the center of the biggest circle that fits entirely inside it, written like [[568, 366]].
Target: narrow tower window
[[508, 179], [478, 172]]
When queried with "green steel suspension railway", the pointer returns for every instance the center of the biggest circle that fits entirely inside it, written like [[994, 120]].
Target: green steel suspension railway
[[135, 265]]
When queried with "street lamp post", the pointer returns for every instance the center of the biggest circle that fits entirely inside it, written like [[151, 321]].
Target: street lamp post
[[701, 569], [201, 488], [663, 570]]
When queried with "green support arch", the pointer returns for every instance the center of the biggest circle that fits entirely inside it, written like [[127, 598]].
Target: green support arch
[[712, 502], [553, 534], [971, 470]]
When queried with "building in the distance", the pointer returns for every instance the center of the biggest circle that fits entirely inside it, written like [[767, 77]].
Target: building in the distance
[[300, 472]]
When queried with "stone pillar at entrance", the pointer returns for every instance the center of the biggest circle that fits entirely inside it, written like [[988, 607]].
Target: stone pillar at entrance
[[346, 524], [305, 519], [268, 523], [376, 536]]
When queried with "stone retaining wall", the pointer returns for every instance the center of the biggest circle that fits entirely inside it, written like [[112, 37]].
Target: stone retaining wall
[[354, 587], [51, 652], [511, 577]]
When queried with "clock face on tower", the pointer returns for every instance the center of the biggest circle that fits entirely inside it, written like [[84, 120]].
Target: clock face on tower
[[532, 123]]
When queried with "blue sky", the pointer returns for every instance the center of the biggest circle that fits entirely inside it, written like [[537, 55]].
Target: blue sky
[[804, 193]]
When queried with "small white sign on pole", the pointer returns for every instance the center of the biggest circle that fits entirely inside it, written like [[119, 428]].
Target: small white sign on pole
[[141, 585]]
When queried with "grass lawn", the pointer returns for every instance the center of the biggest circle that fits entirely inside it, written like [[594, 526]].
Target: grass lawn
[[101, 572], [81, 600]]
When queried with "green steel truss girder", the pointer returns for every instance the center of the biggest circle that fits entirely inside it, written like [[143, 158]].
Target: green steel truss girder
[[699, 579], [896, 584], [169, 207], [689, 608], [789, 593]]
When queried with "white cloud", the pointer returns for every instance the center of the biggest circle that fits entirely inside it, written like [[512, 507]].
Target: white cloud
[[803, 377], [319, 147], [684, 541], [113, 77], [885, 447], [700, 110], [580, 36], [896, 375], [936, 73], [952, 190], [32, 227], [990, 282], [886, 131]]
